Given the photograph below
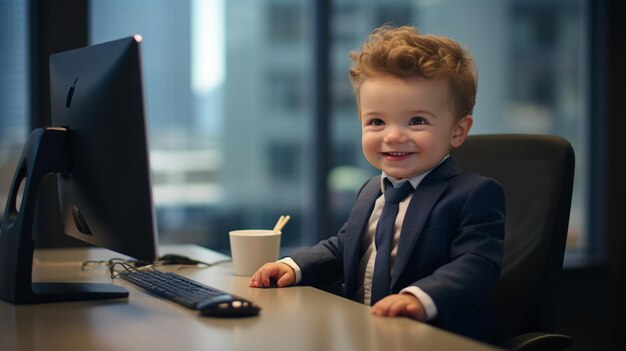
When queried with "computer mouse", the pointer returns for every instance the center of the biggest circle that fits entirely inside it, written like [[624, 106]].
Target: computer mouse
[[178, 259], [228, 306]]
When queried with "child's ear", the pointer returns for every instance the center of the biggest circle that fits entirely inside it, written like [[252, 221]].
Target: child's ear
[[461, 130]]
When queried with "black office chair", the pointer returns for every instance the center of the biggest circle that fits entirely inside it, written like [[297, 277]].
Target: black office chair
[[537, 174]]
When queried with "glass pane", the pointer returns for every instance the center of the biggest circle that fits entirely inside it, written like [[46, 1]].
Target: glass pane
[[226, 83], [228, 86], [14, 87], [531, 74]]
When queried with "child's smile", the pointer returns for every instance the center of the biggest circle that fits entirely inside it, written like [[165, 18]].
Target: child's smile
[[397, 156]]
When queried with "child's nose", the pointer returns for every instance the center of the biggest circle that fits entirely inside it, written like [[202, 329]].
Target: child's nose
[[395, 135]]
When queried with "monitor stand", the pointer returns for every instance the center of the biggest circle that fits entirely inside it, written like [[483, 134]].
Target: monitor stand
[[45, 152]]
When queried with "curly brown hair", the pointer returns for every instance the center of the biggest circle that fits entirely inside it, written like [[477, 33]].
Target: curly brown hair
[[404, 52]]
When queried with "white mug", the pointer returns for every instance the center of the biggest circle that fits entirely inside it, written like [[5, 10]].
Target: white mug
[[252, 248]]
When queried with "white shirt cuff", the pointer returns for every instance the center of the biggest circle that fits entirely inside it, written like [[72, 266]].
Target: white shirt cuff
[[425, 299], [291, 263]]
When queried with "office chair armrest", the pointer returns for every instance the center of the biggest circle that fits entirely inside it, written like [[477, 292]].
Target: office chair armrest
[[539, 342]]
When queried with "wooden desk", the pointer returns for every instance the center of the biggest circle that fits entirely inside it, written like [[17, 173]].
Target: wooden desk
[[296, 318]]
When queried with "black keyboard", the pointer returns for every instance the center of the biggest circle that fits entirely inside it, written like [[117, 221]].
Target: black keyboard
[[172, 286]]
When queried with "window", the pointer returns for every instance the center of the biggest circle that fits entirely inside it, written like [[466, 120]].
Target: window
[[14, 112], [530, 67], [229, 87], [225, 83]]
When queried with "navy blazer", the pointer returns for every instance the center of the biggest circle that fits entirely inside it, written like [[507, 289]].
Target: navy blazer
[[450, 246]]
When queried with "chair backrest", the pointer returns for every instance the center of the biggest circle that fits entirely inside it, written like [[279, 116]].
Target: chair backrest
[[537, 175]]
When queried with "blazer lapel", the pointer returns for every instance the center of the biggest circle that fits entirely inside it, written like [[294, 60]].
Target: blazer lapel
[[426, 195], [355, 227]]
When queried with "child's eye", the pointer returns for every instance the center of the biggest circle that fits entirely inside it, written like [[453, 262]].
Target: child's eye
[[418, 121], [377, 122]]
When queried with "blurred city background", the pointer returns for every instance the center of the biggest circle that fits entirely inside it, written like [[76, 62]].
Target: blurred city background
[[231, 109]]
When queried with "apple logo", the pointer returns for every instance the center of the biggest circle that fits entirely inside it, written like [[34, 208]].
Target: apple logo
[[70, 94]]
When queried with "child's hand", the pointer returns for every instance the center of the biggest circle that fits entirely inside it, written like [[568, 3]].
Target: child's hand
[[278, 272], [400, 305]]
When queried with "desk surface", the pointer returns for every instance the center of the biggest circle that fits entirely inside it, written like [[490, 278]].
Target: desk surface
[[295, 318]]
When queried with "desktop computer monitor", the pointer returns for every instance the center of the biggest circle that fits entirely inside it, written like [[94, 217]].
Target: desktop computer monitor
[[98, 148], [106, 198]]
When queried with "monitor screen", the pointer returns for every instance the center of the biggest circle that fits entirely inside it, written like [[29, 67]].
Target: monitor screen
[[98, 148]]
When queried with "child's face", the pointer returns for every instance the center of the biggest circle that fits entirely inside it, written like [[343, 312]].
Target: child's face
[[407, 124]]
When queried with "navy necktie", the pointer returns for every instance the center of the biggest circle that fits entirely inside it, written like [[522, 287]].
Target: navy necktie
[[381, 280]]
